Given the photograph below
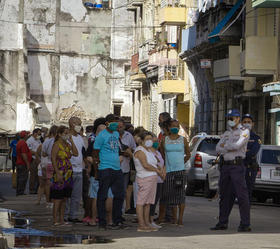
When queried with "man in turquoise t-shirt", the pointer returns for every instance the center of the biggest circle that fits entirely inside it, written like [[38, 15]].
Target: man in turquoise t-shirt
[[106, 152]]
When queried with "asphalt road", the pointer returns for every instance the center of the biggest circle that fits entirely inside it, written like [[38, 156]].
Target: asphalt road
[[199, 216]]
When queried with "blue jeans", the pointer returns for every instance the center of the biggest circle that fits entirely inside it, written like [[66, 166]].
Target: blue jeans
[[114, 179]]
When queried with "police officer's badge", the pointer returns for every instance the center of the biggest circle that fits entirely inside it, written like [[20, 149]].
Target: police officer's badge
[[260, 141]]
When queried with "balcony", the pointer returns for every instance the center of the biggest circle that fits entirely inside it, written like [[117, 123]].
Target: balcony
[[169, 81], [259, 57], [172, 15], [266, 3], [172, 86], [138, 77], [229, 68]]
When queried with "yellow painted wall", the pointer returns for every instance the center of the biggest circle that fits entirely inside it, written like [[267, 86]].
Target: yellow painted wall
[[183, 113], [172, 86], [172, 15]]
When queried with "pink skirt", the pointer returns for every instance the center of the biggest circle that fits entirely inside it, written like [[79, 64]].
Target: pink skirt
[[147, 188]]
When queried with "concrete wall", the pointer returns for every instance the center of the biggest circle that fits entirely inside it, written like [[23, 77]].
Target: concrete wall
[[67, 61], [120, 53]]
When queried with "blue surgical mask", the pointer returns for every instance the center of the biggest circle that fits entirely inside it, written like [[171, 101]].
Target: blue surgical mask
[[231, 123], [156, 145], [174, 130], [113, 126]]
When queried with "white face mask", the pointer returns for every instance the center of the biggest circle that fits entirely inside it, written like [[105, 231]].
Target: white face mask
[[77, 128], [38, 138], [248, 126], [65, 137], [149, 143], [231, 123]]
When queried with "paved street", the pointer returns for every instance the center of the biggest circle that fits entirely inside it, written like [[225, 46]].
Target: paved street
[[199, 216]]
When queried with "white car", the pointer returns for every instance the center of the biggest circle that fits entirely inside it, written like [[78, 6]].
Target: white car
[[203, 149], [268, 178]]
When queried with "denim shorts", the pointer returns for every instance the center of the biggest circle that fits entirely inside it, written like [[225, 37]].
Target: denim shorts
[[93, 189]]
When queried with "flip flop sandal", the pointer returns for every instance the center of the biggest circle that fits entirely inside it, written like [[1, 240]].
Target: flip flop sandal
[[91, 225], [144, 230]]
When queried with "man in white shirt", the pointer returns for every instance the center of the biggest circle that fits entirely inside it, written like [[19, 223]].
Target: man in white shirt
[[73, 204], [127, 147], [33, 143]]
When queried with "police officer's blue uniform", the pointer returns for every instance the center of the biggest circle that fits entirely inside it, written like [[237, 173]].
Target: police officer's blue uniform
[[232, 146], [250, 161]]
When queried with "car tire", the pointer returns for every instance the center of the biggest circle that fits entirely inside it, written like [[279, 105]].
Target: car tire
[[207, 192], [190, 189], [261, 197]]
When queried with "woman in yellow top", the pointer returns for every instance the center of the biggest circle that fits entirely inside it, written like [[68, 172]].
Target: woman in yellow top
[[62, 182]]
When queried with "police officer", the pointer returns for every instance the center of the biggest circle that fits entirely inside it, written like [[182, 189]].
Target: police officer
[[253, 148], [232, 146]]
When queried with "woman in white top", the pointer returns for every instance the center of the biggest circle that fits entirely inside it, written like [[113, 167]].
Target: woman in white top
[[147, 172]]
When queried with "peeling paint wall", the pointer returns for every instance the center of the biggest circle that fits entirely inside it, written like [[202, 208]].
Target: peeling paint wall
[[63, 60]]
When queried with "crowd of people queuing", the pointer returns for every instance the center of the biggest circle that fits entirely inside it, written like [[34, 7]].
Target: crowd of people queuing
[[112, 167]]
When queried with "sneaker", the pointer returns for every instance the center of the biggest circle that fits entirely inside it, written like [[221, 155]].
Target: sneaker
[[155, 225], [86, 219]]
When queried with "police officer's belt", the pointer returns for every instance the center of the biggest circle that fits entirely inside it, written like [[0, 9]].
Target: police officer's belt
[[236, 161]]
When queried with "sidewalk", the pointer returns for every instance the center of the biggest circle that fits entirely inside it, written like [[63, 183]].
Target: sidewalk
[[194, 235]]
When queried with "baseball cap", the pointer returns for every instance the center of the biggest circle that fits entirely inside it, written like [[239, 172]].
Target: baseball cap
[[23, 134], [247, 116], [233, 113]]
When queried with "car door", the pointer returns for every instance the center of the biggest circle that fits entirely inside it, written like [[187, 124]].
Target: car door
[[270, 164]]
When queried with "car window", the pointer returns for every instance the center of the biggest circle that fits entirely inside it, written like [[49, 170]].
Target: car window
[[208, 146], [270, 156], [194, 142]]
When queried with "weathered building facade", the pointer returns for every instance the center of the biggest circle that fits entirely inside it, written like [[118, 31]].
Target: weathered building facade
[[59, 58], [158, 78], [240, 42]]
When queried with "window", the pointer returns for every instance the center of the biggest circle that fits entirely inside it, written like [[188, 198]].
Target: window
[[117, 110], [194, 142], [208, 146], [270, 156]]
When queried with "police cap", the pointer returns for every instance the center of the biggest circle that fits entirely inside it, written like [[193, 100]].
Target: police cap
[[247, 116], [233, 113]]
